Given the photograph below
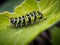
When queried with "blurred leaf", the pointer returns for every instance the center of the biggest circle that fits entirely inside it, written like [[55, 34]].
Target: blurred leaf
[[9, 5], [55, 36]]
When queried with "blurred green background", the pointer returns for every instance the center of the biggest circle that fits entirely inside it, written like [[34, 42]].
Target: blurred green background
[[9, 5]]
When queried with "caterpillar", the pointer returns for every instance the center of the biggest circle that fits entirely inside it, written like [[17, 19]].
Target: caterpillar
[[28, 19]]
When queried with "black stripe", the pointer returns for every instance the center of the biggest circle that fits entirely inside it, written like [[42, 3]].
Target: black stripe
[[23, 20], [15, 20], [41, 15], [19, 23], [34, 15], [29, 19]]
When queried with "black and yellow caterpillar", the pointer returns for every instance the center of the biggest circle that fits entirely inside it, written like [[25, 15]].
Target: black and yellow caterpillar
[[30, 18]]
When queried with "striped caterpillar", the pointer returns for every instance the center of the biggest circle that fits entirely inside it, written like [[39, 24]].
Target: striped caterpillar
[[28, 19]]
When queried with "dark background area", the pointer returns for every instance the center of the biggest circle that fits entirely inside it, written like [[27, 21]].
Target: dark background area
[[9, 5]]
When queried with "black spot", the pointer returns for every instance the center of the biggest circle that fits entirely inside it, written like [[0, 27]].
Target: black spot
[[45, 18], [38, 0], [31, 14]]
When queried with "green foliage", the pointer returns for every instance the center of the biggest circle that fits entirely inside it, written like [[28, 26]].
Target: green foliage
[[23, 36], [55, 35]]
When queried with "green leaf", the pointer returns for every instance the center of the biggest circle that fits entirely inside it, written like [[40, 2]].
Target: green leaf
[[55, 35], [24, 35]]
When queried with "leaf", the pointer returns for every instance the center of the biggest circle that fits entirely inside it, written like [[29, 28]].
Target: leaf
[[24, 35], [55, 35]]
